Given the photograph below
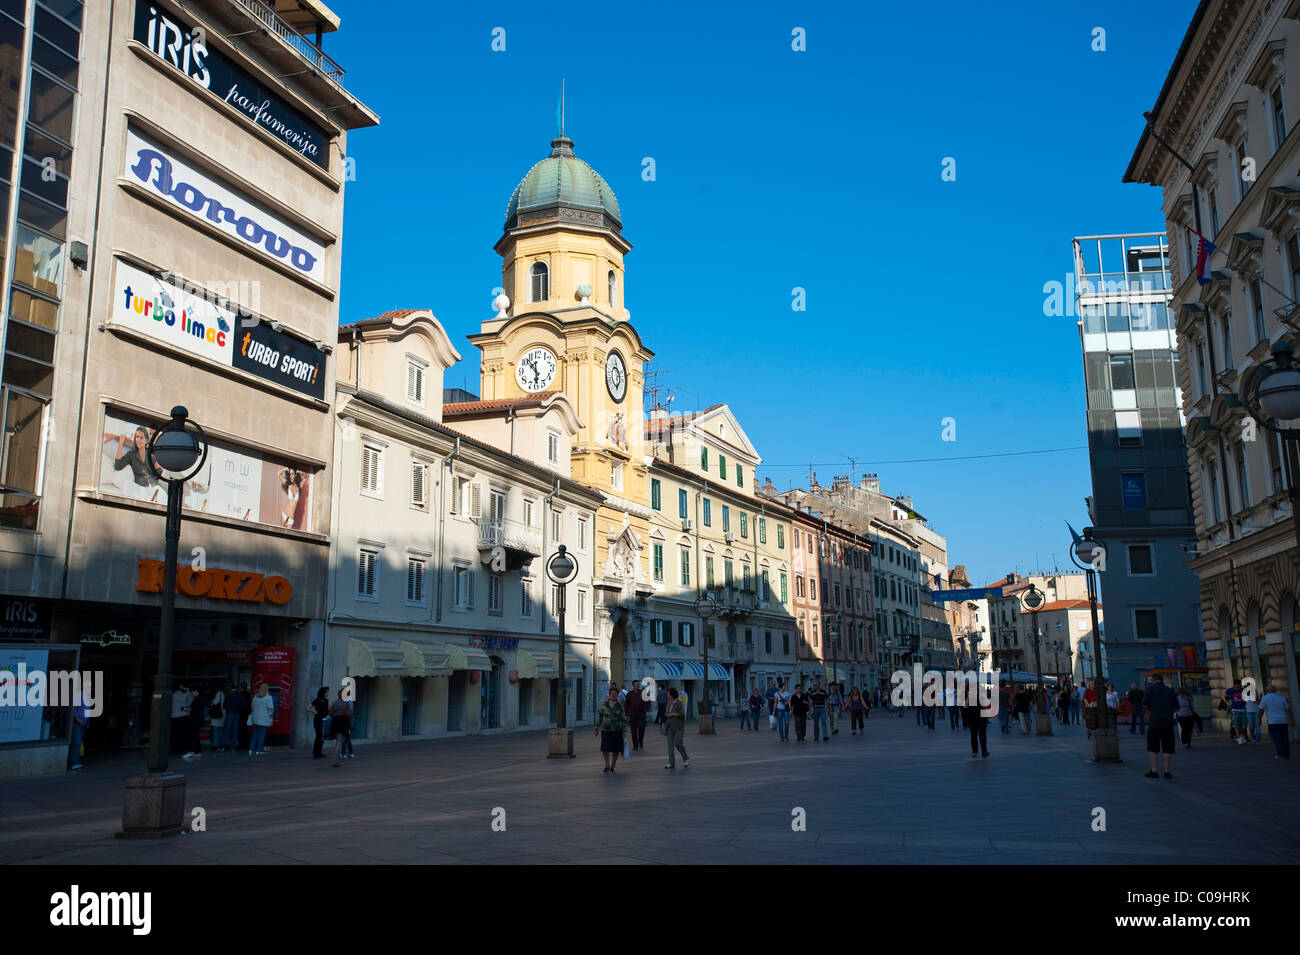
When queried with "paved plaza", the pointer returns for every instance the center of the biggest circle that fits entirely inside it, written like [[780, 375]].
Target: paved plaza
[[902, 794]]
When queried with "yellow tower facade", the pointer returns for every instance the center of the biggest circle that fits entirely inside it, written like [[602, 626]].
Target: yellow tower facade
[[561, 327]]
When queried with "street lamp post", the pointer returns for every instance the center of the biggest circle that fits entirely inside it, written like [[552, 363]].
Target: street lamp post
[[1033, 601], [1089, 554], [562, 569], [155, 803], [1008, 632], [704, 607], [1272, 396], [834, 633]]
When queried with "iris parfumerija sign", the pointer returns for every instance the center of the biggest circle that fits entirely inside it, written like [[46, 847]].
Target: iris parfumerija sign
[[151, 166], [177, 43]]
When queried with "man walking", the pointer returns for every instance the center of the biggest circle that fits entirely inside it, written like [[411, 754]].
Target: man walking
[[661, 702], [180, 719], [80, 723], [1278, 713], [834, 704], [236, 700], [950, 702], [1004, 708], [1075, 696], [1163, 704], [635, 705], [780, 700], [1252, 718], [771, 701], [817, 700], [978, 726], [1137, 718]]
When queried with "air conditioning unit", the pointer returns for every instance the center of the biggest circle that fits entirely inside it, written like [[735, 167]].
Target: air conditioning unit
[[688, 524], [729, 537]]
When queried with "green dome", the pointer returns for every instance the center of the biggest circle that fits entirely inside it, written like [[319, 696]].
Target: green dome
[[563, 187]]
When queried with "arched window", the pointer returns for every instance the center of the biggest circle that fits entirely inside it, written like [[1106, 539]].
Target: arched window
[[540, 285], [613, 283]]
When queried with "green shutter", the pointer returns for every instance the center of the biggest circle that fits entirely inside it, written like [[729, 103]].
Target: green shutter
[[708, 513], [659, 561], [704, 458], [655, 494], [722, 467], [681, 503], [740, 476], [780, 536]]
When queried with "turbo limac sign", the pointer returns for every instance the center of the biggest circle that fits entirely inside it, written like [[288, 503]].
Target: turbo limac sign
[[171, 315], [154, 168], [178, 43]]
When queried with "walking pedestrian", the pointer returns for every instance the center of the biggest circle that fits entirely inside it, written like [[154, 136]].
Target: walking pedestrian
[[781, 704], [80, 723], [197, 713], [261, 716], [611, 723], [1005, 710], [340, 714], [1236, 712], [181, 697], [834, 706], [745, 720], [950, 703], [661, 702], [1184, 716], [1280, 716], [857, 713], [979, 729], [1252, 719], [756, 704], [319, 708], [245, 729], [799, 707], [234, 705], [1137, 715], [1162, 704], [818, 701], [216, 712], [674, 728], [1090, 704], [636, 705], [771, 700], [1076, 696], [1023, 710], [1112, 705]]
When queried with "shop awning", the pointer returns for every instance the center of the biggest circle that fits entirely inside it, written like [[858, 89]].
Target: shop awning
[[425, 659], [467, 658], [718, 672], [526, 665], [548, 665], [695, 671], [375, 658], [668, 670]]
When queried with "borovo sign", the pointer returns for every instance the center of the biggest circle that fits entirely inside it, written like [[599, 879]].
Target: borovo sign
[[215, 583]]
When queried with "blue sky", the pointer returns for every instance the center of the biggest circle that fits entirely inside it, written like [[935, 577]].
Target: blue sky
[[776, 169]]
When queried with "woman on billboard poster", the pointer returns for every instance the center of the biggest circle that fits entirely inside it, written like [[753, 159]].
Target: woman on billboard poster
[[293, 497], [144, 477]]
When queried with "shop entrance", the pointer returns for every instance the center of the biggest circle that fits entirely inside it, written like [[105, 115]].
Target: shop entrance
[[490, 697], [456, 702], [412, 705]]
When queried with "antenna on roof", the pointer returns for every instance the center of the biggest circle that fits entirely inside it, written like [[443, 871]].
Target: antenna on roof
[[853, 468], [561, 106]]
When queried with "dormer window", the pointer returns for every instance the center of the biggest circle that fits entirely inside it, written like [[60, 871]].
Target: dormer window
[[613, 288], [539, 282]]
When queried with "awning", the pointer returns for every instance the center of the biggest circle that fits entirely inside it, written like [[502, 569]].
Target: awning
[[668, 670], [425, 659], [718, 672], [467, 658], [548, 665], [375, 658], [695, 671], [526, 665]]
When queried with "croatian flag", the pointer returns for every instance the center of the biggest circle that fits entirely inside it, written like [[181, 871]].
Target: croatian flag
[[1204, 248]]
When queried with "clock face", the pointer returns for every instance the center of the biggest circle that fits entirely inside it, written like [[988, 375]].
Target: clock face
[[535, 369], [616, 376]]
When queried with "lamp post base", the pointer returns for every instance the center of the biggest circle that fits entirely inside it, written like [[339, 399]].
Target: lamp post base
[[154, 807], [1105, 746], [1043, 724], [706, 724], [559, 743]]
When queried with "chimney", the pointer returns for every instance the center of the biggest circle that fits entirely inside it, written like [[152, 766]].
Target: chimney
[[658, 412], [870, 482]]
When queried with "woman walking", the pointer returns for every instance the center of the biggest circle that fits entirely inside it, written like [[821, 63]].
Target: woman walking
[[674, 727], [260, 719], [610, 725], [979, 729], [341, 727], [857, 712], [799, 706], [319, 708], [1185, 716]]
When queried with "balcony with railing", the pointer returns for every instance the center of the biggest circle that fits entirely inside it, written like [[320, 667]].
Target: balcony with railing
[[271, 36], [515, 541], [734, 601]]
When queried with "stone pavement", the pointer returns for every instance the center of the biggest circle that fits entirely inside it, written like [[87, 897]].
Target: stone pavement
[[902, 794]]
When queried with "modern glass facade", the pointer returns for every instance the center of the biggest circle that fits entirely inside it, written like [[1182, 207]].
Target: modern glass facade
[[40, 43]]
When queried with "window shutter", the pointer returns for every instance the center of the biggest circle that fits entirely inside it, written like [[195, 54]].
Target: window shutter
[[417, 484], [469, 588], [475, 501]]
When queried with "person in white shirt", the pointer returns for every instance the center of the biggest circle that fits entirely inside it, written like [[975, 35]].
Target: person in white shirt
[[1280, 718], [781, 707], [1252, 719]]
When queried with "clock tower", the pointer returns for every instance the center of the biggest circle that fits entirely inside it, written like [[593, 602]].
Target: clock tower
[[561, 326]]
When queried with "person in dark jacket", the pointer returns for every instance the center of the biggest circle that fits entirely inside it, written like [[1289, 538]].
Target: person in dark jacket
[[194, 723], [1162, 703], [635, 706], [799, 707], [245, 709], [979, 729], [661, 704], [1024, 708], [341, 726], [319, 708], [1137, 718]]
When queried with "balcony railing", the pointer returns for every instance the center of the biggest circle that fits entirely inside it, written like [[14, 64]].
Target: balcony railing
[[305, 48], [733, 601], [512, 535]]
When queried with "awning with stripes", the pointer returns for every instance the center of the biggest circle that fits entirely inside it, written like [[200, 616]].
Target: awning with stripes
[[668, 670], [695, 671]]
